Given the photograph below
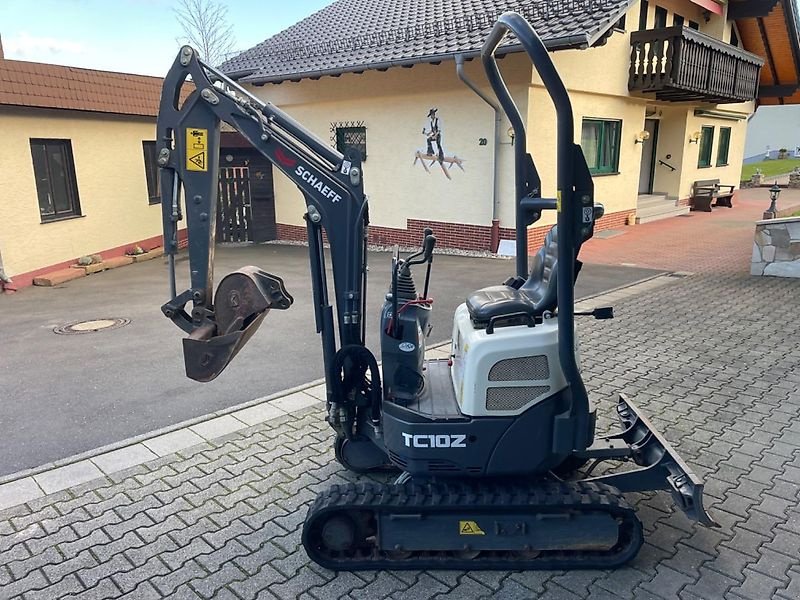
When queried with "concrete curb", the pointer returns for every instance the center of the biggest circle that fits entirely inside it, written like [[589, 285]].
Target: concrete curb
[[23, 486]]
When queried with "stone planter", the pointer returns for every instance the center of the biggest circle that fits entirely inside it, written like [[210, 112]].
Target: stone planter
[[154, 253], [776, 248], [794, 178], [756, 179]]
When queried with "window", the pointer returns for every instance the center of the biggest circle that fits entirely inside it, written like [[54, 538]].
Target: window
[[706, 143], [643, 15], [661, 18], [352, 137], [600, 143], [694, 25], [151, 172], [724, 146], [677, 21], [56, 187]]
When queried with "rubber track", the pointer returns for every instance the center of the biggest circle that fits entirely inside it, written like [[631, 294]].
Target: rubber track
[[502, 499]]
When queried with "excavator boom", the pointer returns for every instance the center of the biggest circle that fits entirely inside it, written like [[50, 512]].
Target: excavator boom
[[188, 155]]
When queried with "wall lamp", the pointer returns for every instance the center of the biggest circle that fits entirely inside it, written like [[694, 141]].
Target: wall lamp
[[694, 138], [510, 133], [642, 136]]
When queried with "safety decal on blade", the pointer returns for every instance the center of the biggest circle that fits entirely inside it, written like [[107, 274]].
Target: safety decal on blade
[[469, 528], [196, 149]]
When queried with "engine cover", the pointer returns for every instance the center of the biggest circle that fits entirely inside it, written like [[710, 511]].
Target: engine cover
[[506, 372]]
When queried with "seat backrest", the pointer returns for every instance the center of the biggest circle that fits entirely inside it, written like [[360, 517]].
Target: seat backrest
[[706, 183], [540, 286]]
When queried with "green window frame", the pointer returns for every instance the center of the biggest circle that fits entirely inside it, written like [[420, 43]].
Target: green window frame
[[724, 146], [706, 145], [600, 143]]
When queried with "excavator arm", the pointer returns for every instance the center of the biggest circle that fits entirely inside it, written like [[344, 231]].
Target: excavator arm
[[188, 155]]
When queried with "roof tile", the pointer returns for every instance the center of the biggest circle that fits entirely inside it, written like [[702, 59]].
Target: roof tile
[[351, 35], [43, 85]]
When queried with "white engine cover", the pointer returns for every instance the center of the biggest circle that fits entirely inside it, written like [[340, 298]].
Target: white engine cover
[[506, 372]]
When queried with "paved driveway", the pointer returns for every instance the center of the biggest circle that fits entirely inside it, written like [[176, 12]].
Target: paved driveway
[[717, 242], [62, 395], [222, 520]]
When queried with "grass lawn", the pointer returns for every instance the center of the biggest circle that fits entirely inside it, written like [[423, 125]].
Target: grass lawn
[[770, 168]]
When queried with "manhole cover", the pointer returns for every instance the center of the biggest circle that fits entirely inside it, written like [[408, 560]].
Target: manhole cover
[[91, 326]]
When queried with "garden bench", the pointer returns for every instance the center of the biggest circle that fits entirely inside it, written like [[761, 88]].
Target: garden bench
[[706, 191]]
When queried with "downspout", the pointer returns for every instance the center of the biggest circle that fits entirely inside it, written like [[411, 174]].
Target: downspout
[[498, 118]]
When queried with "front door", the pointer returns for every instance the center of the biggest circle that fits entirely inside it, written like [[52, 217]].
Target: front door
[[648, 157]]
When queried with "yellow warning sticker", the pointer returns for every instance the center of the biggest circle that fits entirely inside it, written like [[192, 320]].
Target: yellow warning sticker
[[196, 149], [469, 528], [558, 201]]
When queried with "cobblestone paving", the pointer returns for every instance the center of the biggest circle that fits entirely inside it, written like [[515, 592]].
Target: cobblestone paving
[[713, 360]]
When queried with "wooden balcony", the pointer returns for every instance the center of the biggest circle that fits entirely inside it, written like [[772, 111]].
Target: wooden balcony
[[679, 64]]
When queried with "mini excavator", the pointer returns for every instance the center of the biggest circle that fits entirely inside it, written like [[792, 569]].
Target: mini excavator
[[488, 445]]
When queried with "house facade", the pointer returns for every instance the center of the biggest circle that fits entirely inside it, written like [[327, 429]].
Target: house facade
[[77, 164], [661, 93]]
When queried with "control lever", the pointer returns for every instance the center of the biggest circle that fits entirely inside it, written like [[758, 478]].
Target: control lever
[[428, 246]]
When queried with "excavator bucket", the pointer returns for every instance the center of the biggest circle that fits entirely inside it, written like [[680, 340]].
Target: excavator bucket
[[242, 301]]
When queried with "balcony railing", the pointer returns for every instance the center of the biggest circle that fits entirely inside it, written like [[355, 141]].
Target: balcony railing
[[680, 64]]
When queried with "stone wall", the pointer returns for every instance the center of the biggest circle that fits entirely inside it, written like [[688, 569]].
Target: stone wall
[[794, 178], [776, 248]]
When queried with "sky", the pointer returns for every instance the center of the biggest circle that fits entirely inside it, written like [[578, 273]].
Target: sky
[[129, 36]]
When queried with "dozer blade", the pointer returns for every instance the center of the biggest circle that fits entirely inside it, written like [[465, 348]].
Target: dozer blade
[[660, 466], [242, 301]]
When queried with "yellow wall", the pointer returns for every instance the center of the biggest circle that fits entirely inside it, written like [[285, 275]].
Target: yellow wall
[[109, 168], [671, 145], [730, 174], [595, 92], [393, 106]]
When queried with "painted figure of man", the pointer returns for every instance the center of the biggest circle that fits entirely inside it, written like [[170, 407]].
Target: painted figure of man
[[434, 134]]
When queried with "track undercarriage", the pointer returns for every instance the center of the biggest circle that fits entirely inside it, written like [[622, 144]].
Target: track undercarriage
[[482, 525]]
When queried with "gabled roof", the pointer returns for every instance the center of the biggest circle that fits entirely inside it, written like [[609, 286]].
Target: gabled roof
[[771, 29], [43, 85], [355, 35]]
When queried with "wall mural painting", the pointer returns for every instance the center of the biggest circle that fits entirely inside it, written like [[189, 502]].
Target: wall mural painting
[[434, 152]]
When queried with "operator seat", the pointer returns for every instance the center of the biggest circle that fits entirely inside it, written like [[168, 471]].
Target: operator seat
[[535, 296]]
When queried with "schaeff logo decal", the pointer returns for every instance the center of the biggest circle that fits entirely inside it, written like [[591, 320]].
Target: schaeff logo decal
[[312, 180]]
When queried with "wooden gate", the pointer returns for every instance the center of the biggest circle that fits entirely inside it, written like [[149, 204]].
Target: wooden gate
[[234, 215]]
